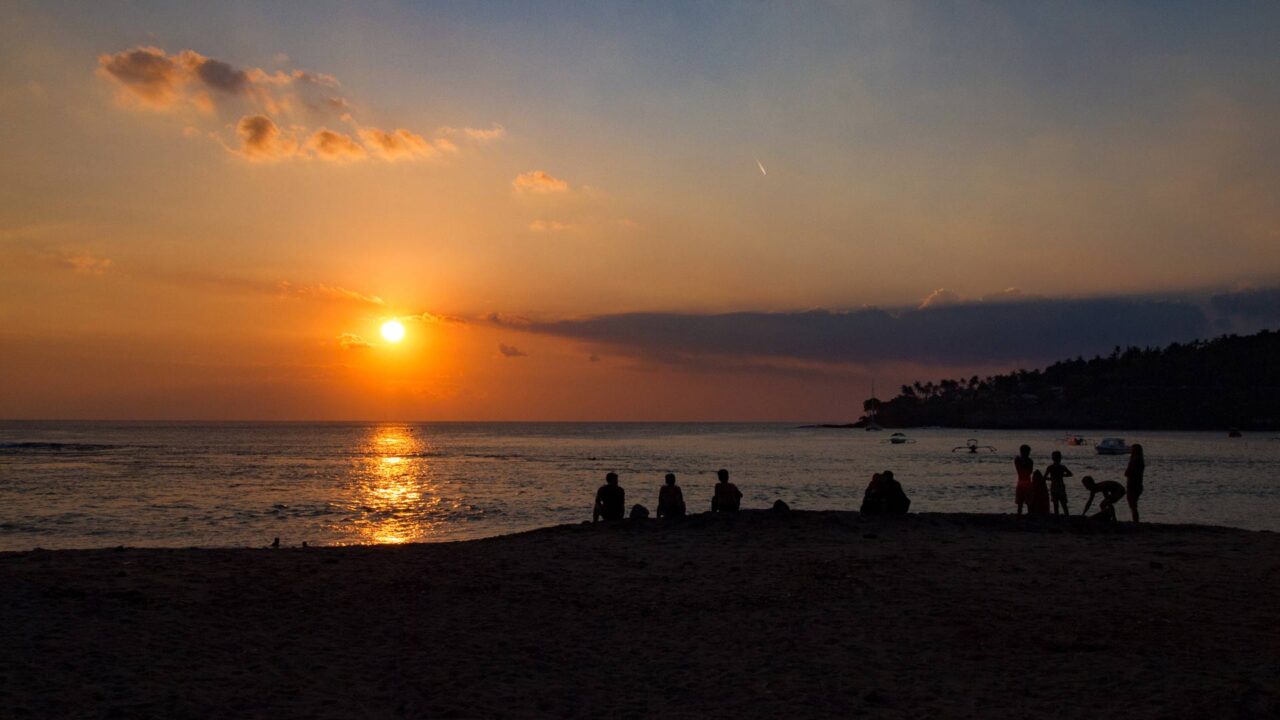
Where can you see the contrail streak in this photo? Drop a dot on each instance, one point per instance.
(761, 165)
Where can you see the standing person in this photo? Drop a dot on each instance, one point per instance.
(727, 495)
(1057, 488)
(1038, 498)
(671, 499)
(611, 500)
(1023, 465)
(1133, 478)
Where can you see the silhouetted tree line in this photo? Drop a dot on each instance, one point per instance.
(1230, 381)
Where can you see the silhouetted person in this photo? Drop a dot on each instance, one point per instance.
(727, 497)
(1023, 464)
(1057, 487)
(1133, 478)
(1038, 498)
(670, 499)
(884, 496)
(611, 500)
(1111, 491)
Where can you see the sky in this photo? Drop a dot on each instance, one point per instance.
(616, 211)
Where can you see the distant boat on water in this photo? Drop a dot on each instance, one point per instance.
(1112, 446)
(1073, 439)
(1234, 432)
(900, 439)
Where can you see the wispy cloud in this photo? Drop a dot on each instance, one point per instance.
(549, 226)
(511, 351)
(326, 292)
(538, 182)
(86, 264)
(335, 146)
(351, 341)
(278, 114)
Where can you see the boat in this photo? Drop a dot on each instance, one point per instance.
(1234, 432)
(1112, 446)
(900, 439)
(972, 447)
(1073, 439)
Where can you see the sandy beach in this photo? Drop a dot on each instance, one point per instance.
(802, 614)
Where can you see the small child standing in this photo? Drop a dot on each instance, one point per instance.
(1057, 488)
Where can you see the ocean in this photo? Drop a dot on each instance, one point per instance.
(105, 484)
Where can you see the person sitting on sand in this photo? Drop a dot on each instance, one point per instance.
(1038, 498)
(727, 496)
(1023, 465)
(1111, 491)
(670, 499)
(611, 500)
(1057, 488)
(884, 496)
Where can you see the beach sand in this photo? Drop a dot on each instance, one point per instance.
(801, 614)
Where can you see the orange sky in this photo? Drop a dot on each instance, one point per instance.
(208, 212)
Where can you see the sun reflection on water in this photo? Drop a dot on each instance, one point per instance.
(391, 494)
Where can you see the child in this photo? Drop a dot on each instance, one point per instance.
(1057, 488)
(1111, 490)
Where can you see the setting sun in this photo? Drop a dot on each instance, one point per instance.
(393, 331)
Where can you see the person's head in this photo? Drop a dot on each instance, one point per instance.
(1088, 482)
(723, 475)
(1057, 456)
(611, 478)
(1135, 451)
(886, 475)
(1025, 451)
(671, 479)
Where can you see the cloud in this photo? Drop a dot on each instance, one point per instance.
(549, 226)
(1249, 303)
(398, 144)
(940, 297)
(262, 139)
(1012, 331)
(511, 351)
(86, 264)
(150, 78)
(497, 132)
(326, 292)
(538, 182)
(335, 146)
(351, 341)
(147, 74)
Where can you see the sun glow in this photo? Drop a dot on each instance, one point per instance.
(393, 331)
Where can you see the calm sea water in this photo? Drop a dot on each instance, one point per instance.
(81, 485)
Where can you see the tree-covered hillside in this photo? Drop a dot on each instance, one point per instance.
(1230, 381)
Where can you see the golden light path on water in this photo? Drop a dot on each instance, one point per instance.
(392, 497)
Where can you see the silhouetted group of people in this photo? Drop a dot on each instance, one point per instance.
(611, 499)
(1036, 490)
(884, 496)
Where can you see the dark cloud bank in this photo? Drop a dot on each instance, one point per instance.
(973, 333)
